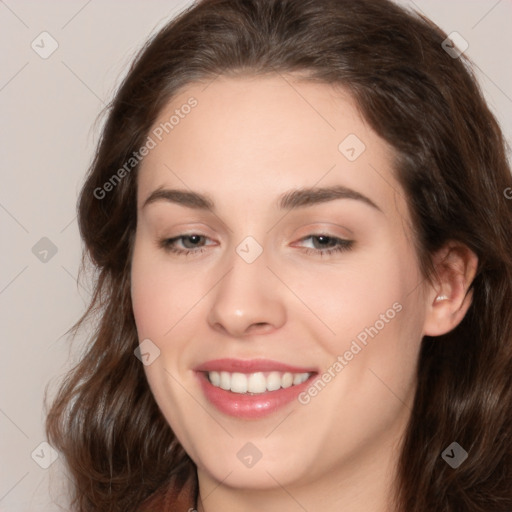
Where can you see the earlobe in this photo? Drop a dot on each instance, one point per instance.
(450, 296)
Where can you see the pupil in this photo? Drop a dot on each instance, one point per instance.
(323, 241)
(192, 239)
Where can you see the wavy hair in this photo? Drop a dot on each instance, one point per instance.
(450, 160)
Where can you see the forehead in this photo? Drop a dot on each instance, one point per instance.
(253, 136)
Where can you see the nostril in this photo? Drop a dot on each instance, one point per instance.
(260, 325)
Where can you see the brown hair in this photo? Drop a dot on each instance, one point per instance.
(451, 163)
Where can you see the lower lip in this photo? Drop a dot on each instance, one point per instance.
(250, 406)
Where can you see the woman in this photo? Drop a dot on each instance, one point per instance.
(299, 216)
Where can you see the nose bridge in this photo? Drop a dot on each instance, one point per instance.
(246, 298)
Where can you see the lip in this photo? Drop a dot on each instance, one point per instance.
(250, 366)
(247, 406)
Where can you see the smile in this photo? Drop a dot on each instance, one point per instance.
(256, 383)
(251, 389)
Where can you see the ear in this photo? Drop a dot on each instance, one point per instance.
(448, 299)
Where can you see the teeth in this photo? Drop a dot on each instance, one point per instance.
(287, 380)
(274, 381)
(214, 378)
(258, 382)
(225, 381)
(297, 379)
(239, 383)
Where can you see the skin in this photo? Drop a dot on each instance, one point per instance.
(248, 141)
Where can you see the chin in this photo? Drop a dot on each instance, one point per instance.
(262, 476)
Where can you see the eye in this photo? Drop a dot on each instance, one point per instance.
(326, 245)
(192, 243)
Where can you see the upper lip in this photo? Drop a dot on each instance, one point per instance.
(249, 366)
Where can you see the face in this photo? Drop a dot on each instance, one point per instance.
(275, 278)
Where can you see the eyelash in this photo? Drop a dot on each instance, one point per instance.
(168, 244)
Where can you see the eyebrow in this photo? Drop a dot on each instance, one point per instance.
(293, 199)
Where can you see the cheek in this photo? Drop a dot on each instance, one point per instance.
(152, 303)
(348, 299)
(372, 317)
(161, 296)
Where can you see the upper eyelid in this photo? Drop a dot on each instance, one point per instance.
(313, 233)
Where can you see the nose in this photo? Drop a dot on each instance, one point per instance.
(247, 300)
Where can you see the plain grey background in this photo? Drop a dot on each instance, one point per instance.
(49, 104)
